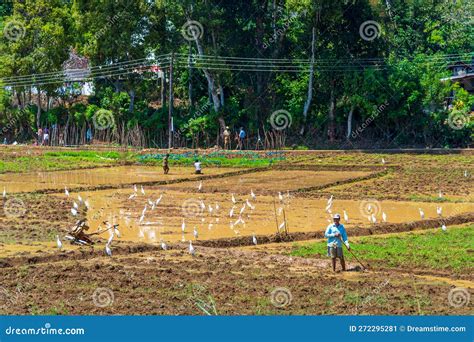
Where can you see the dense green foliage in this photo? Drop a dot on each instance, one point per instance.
(387, 89)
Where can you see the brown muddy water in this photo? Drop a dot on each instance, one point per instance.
(24, 182)
(209, 214)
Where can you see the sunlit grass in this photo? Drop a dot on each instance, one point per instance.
(450, 250)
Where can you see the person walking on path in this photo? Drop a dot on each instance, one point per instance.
(226, 138)
(336, 234)
(242, 136)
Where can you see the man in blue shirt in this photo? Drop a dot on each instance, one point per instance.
(336, 233)
(242, 136)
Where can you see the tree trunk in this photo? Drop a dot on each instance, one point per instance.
(131, 107)
(332, 117)
(349, 122)
(210, 80)
(310, 84)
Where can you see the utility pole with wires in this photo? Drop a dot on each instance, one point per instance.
(170, 105)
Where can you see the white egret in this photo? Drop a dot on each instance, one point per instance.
(192, 251)
(79, 198)
(183, 226)
(217, 206)
(86, 203)
(383, 161)
(422, 213)
(231, 213)
(200, 186)
(280, 211)
(58, 242)
(73, 211)
(439, 211)
(233, 199)
(203, 206)
(254, 239)
(150, 202)
(249, 204)
(346, 217)
(440, 194)
(210, 226)
(195, 233)
(159, 200)
(374, 219)
(108, 251)
(75, 205)
(135, 188)
(163, 246)
(282, 225)
(280, 196)
(66, 191)
(132, 196)
(443, 227)
(252, 194)
(243, 208)
(210, 209)
(142, 190)
(384, 217)
(330, 199)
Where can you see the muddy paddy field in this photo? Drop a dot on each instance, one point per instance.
(256, 222)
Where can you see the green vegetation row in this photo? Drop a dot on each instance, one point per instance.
(446, 250)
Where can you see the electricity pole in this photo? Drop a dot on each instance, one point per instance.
(170, 105)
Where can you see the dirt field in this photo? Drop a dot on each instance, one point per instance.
(229, 274)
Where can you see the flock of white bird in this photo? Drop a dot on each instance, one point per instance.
(236, 215)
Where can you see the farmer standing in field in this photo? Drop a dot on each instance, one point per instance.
(166, 167)
(336, 233)
(226, 138)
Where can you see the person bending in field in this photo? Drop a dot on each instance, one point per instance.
(197, 167)
(336, 234)
(166, 167)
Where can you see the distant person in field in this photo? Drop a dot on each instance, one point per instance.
(336, 234)
(197, 167)
(226, 138)
(39, 141)
(242, 136)
(166, 167)
(89, 136)
(46, 136)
